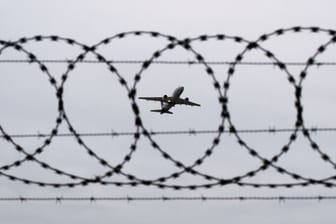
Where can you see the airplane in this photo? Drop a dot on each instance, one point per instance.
(167, 102)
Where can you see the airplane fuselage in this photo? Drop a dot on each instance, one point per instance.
(170, 103)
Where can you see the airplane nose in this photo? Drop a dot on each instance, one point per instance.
(181, 88)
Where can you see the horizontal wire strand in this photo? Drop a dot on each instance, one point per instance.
(167, 62)
(169, 198)
(178, 132)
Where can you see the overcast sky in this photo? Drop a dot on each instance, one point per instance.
(260, 97)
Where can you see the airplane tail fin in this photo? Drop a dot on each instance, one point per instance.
(162, 112)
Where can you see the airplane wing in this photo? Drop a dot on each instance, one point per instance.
(160, 99)
(152, 98)
(186, 102)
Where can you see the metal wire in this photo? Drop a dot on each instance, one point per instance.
(168, 198)
(226, 125)
(167, 62)
(178, 132)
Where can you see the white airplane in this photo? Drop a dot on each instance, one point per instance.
(168, 102)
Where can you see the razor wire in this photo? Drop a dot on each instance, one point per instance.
(226, 124)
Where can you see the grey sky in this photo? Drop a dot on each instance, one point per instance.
(260, 97)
